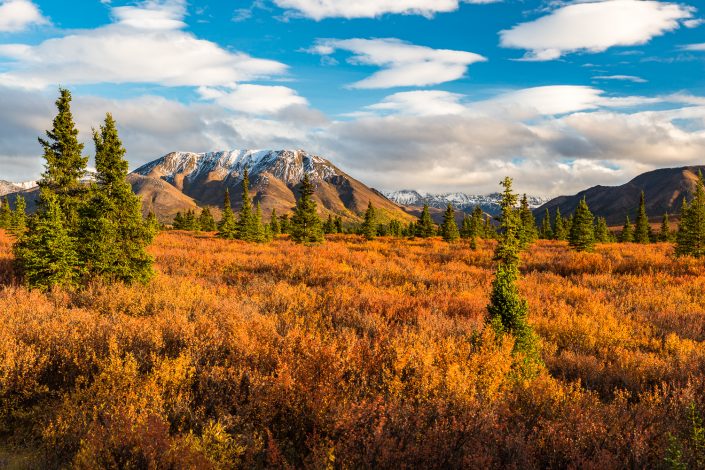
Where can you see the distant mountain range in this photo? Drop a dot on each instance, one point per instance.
(460, 201)
(180, 181)
(664, 190)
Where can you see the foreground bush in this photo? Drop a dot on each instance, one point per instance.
(356, 354)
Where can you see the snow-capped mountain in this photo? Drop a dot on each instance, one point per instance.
(7, 187)
(460, 201)
(274, 177)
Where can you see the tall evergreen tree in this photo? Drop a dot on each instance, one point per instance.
(602, 231)
(261, 232)
(560, 231)
(507, 310)
(306, 226)
(284, 224)
(274, 227)
(642, 229)
(18, 220)
(64, 165)
(395, 228)
(582, 230)
(488, 230)
(369, 225)
(46, 255)
(247, 227)
(206, 221)
(5, 214)
(153, 224)
(691, 231)
(113, 234)
(329, 225)
(449, 229)
(424, 226)
(665, 231)
(227, 228)
(178, 223)
(527, 229)
(466, 227)
(627, 231)
(546, 230)
(338, 224)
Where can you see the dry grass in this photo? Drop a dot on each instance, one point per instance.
(355, 354)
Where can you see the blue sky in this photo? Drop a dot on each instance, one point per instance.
(437, 95)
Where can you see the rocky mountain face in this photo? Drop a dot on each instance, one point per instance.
(180, 181)
(664, 190)
(7, 187)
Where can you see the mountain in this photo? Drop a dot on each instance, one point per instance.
(460, 201)
(664, 190)
(202, 178)
(7, 187)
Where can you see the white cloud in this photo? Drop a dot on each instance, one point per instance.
(595, 27)
(321, 9)
(17, 15)
(626, 78)
(694, 47)
(254, 99)
(422, 103)
(145, 44)
(402, 63)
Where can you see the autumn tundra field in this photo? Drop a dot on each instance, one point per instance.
(356, 354)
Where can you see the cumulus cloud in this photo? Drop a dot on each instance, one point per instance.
(17, 15)
(402, 63)
(595, 27)
(321, 9)
(144, 44)
(254, 99)
(421, 102)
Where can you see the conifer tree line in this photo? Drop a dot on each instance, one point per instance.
(15, 221)
(82, 231)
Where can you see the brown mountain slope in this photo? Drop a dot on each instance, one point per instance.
(664, 190)
(274, 181)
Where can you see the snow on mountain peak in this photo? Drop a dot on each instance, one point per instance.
(287, 165)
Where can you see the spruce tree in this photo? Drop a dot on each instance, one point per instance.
(153, 224)
(178, 223)
(665, 231)
(627, 231)
(206, 222)
(488, 230)
(329, 225)
(466, 227)
(395, 228)
(247, 227)
(477, 219)
(527, 229)
(449, 229)
(18, 220)
(64, 165)
(46, 255)
(559, 228)
(190, 222)
(274, 227)
(112, 232)
(284, 225)
(227, 228)
(642, 230)
(5, 214)
(306, 226)
(369, 225)
(425, 227)
(261, 233)
(582, 230)
(691, 231)
(338, 224)
(507, 310)
(546, 230)
(602, 231)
